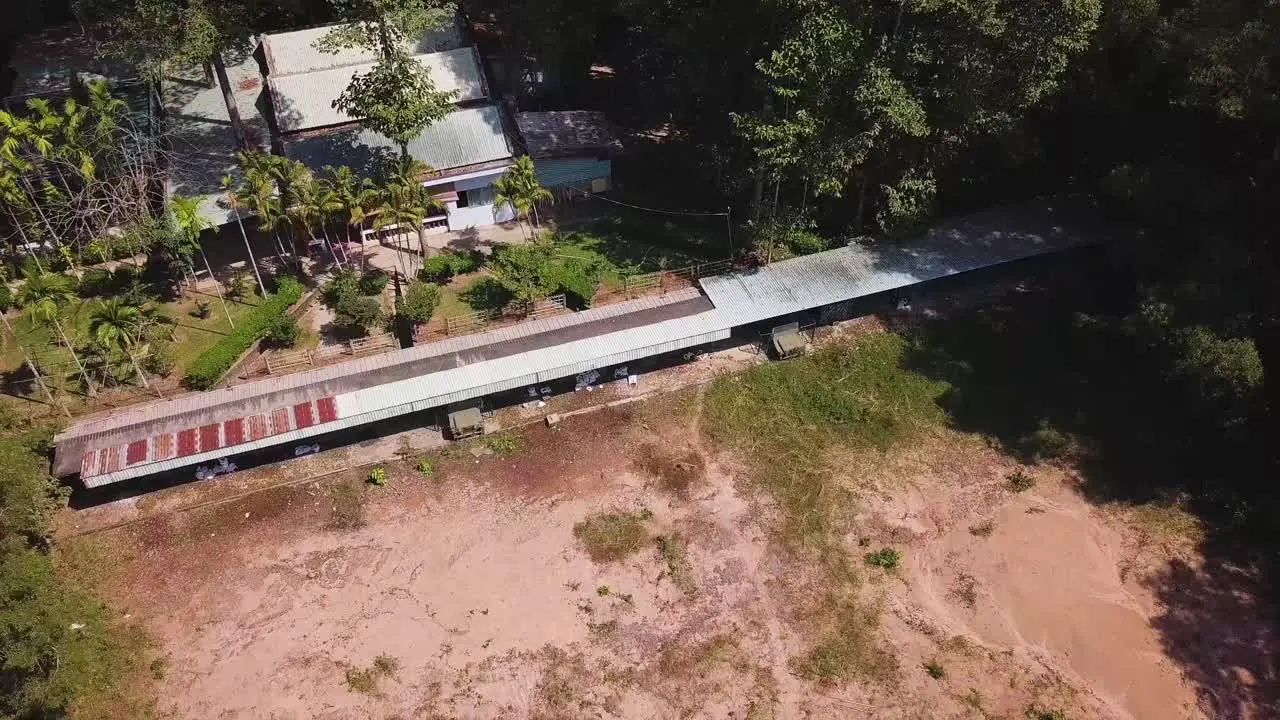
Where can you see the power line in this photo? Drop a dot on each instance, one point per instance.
(652, 210)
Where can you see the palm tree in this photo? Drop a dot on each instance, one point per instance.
(406, 205)
(186, 215)
(42, 298)
(259, 195)
(324, 203)
(518, 188)
(115, 325)
(356, 198)
(233, 201)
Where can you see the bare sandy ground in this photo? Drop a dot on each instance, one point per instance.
(472, 583)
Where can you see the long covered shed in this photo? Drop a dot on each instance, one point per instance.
(202, 427)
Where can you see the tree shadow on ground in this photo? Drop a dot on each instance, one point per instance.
(1047, 371)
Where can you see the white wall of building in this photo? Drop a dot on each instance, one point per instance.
(479, 211)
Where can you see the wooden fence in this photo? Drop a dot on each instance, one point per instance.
(476, 321)
(280, 363)
(664, 281)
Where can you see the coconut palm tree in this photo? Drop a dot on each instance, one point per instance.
(233, 201)
(356, 199)
(42, 298)
(518, 188)
(323, 204)
(115, 325)
(406, 205)
(186, 215)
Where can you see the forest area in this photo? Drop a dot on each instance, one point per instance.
(817, 122)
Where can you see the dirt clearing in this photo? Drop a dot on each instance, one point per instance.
(619, 566)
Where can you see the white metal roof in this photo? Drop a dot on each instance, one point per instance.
(295, 52)
(976, 241)
(305, 100)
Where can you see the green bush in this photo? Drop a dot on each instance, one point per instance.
(283, 331)
(373, 282)
(206, 370)
(440, 268)
(888, 558)
(159, 361)
(357, 314)
(342, 285)
(6, 297)
(420, 301)
(577, 279)
(96, 282)
(486, 293)
(378, 476)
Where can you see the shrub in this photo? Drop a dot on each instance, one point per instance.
(159, 361)
(1046, 443)
(436, 269)
(1019, 481)
(420, 301)
(344, 284)
(202, 310)
(206, 370)
(888, 558)
(356, 314)
(1035, 712)
(96, 282)
(6, 297)
(935, 669)
(238, 287)
(425, 467)
(440, 268)
(486, 293)
(373, 282)
(577, 279)
(282, 332)
(378, 476)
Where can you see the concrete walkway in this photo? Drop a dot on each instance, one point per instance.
(387, 257)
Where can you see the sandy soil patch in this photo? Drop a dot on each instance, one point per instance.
(472, 589)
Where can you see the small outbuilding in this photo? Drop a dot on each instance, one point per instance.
(571, 149)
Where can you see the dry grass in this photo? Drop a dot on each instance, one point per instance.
(674, 474)
(366, 681)
(674, 551)
(347, 500)
(614, 536)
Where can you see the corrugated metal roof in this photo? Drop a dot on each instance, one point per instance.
(977, 241)
(204, 144)
(566, 132)
(461, 138)
(239, 394)
(305, 101)
(295, 52)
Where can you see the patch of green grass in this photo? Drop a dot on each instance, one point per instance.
(378, 476)
(935, 669)
(1036, 712)
(504, 444)
(425, 468)
(675, 555)
(1020, 481)
(788, 420)
(787, 417)
(886, 558)
(610, 537)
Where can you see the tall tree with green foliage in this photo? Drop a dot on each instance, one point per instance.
(397, 97)
(43, 296)
(876, 100)
(518, 189)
